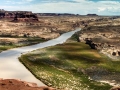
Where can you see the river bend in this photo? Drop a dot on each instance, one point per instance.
(11, 68)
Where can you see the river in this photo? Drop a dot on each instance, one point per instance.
(11, 68)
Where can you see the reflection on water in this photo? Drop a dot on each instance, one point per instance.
(11, 68)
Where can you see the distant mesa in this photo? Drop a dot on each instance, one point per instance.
(92, 15)
(25, 16)
(56, 14)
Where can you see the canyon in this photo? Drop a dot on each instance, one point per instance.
(23, 27)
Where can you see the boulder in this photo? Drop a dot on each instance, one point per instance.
(115, 88)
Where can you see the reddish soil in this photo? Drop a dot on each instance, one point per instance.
(13, 84)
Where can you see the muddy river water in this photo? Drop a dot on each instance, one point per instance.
(11, 68)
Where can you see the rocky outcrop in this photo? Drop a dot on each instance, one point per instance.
(115, 88)
(13, 84)
(103, 38)
(23, 16)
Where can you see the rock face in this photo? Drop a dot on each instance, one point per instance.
(115, 88)
(12, 84)
(24, 16)
(103, 38)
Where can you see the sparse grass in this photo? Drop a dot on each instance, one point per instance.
(57, 66)
(61, 66)
(35, 40)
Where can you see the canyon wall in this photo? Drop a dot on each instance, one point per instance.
(104, 36)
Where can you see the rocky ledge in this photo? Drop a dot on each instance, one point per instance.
(103, 34)
(103, 38)
(14, 84)
(115, 88)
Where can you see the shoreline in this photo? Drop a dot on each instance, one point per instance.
(9, 58)
(107, 82)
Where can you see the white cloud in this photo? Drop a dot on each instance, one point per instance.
(14, 2)
(109, 7)
(100, 9)
(80, 7)
(62, 7)
(27, 0)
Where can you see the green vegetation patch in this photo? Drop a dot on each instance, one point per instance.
(62, 66)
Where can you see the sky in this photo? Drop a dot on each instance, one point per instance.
(82, 7)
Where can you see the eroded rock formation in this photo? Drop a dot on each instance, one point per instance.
(25, 16)
(103, 38)
(115, 88)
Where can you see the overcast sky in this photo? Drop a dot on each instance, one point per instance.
(82, 7)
